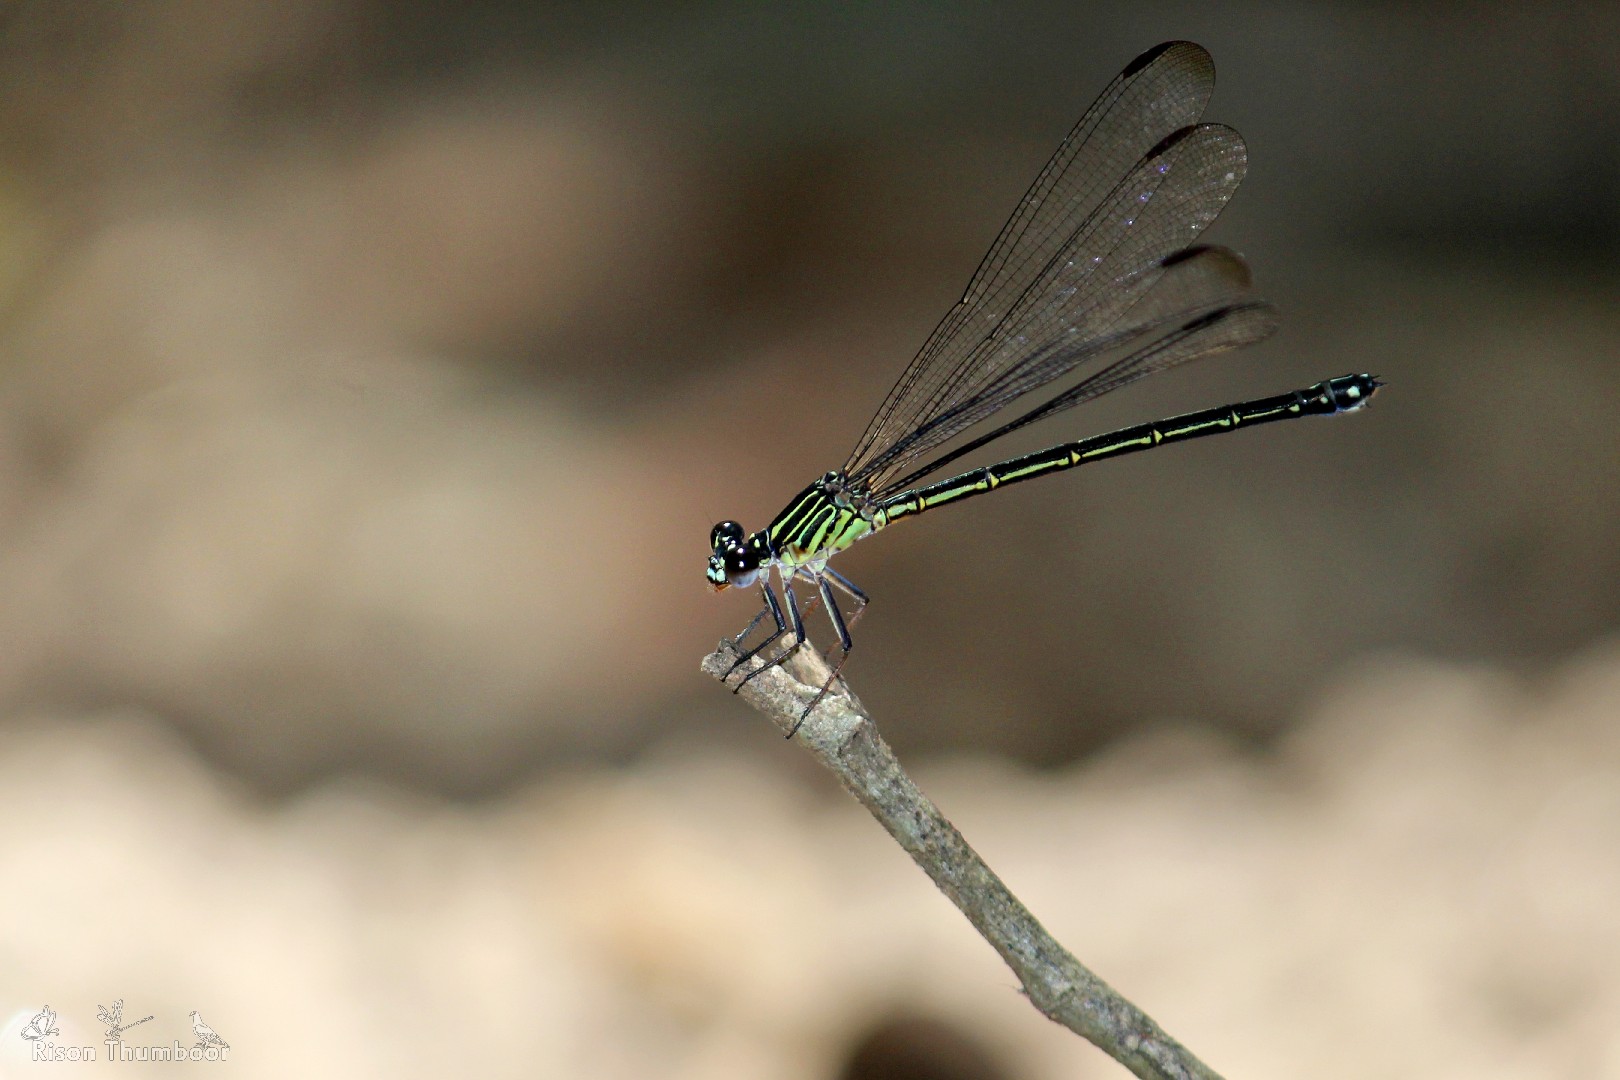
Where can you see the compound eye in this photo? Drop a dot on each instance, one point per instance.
(727, 533)
(739, 560)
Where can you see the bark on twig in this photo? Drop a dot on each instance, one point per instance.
(844, 738)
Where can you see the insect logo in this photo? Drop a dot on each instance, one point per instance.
(113, 1018)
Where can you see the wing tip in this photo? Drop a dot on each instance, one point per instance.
(1191, 49)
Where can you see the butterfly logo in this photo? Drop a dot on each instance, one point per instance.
(43, 1024)
(113, 1018)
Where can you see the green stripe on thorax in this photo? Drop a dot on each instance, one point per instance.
(815, 525)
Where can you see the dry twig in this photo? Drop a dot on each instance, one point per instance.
(844, 738)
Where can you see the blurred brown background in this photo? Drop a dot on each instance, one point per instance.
(370, 377)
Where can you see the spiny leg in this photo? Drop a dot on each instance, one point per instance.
(774, 610)
(856, 593)
(765, 609)
(836, 614)
(824, 582)
(797, 621)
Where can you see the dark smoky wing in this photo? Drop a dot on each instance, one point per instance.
(1161, 91)
(1106, 275)
(1202, 304)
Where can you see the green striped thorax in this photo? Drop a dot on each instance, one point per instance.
(823, 519)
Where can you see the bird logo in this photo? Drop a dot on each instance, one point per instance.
(113, 1018)
(206, 1036)
(43, 1024)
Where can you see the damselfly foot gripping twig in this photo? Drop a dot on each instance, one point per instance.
(825, 580)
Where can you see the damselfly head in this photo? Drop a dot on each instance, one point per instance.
(734, 561)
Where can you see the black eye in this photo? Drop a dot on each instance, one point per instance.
(727, 533)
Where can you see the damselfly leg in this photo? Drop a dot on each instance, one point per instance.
(825, 581)
(774, 610)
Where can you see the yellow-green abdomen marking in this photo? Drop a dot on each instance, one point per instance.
(1343, 394)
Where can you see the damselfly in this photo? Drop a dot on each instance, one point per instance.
(1097, 266)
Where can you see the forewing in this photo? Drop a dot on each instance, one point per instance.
(1160, 92)
(1105, 276)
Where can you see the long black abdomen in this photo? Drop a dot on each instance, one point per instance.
(1343, 394)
